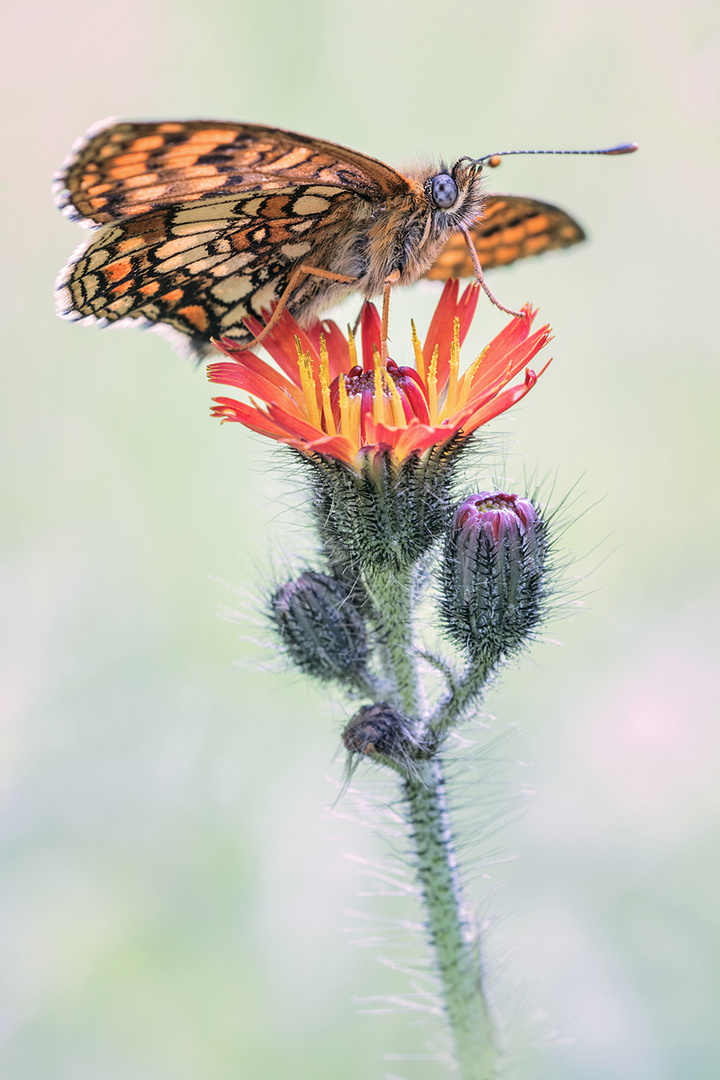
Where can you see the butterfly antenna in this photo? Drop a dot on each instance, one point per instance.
(493, 160)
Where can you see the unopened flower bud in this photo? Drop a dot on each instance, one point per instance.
(320, 627)
(380, 731)
(493, 573)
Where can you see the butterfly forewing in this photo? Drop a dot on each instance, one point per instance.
(511, 227)
(126, 169)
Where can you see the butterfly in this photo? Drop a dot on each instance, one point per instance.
(202, 223)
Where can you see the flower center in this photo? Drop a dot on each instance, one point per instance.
(402, 390)
(496, 510)
(498, 501)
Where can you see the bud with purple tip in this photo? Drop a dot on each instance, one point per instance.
(493, 574)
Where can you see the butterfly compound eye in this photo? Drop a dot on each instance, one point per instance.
(444, 191)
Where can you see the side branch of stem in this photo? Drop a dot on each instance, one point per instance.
(462, 694)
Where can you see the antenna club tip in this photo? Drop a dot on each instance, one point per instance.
(624, 148)
(494, 161)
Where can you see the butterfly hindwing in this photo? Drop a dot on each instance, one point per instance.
(201, 267)
(511, 227)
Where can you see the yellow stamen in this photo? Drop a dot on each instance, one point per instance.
(379, 395)
(432, 388)
(355, 419)
(452, 390)
(307, 381)
(351, 347)
(325, 388)
(419, 358)
(396, 405)
(344, 406)
(466, 380)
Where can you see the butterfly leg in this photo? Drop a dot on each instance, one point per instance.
(298, 275)
(390, 280)
(480, 277)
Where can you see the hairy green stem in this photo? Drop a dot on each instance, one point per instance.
(451, 934)
(391, 593)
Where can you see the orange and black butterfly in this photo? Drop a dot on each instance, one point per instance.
(203, 223)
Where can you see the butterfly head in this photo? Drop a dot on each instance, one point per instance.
(453, 194)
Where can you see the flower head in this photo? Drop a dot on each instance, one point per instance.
(322, 398)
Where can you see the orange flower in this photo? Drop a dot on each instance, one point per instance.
(322, 401)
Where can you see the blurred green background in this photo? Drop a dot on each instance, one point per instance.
(173, 888)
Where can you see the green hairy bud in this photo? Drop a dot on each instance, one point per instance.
(321, 629)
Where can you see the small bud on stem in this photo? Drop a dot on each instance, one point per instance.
(321, 629)
(381, 733)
